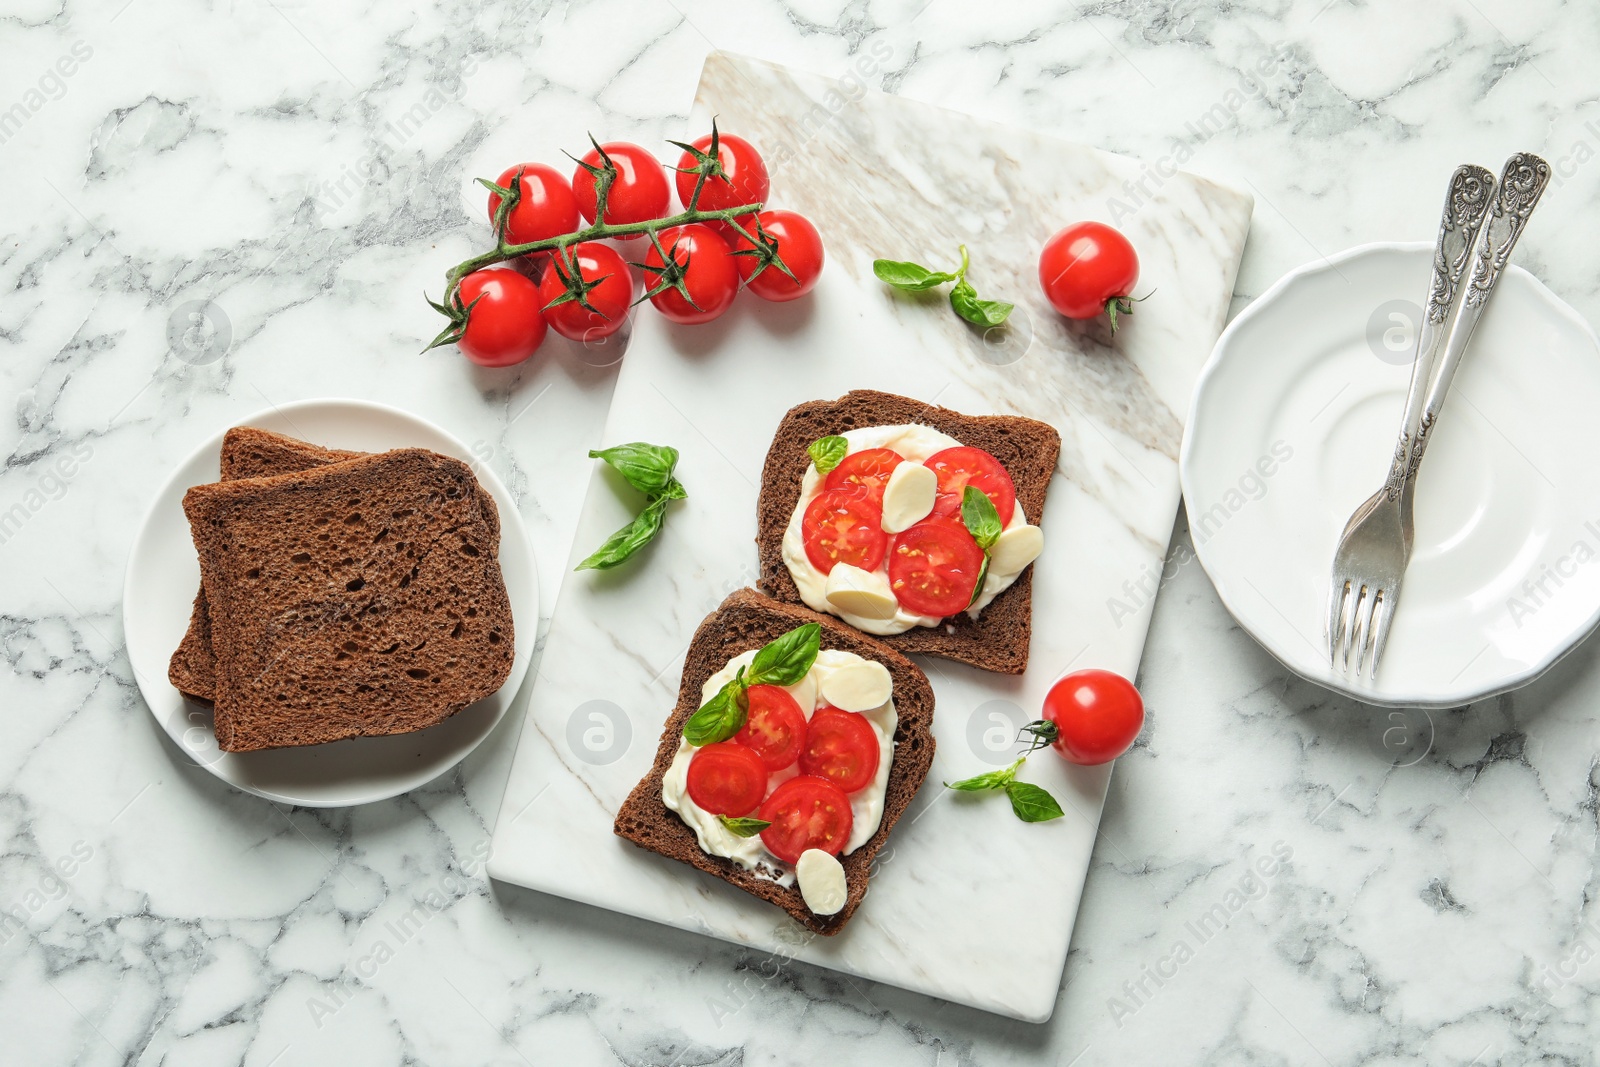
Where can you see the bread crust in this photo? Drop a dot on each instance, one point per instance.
(747, 620)
(998, 640)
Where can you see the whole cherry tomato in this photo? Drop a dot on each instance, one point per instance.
(1088, 269)
(504, 324)
(639, 193)
(800, 247)
(709, 274)
(546, 207)
(743, 179)
(609, 291)
(1098, 714)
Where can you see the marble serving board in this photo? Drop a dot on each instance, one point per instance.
(966, 903)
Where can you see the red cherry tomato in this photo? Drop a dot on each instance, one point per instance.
(505, 326)
(743, 179)
(775, 729)
(806, 813)
(1098, 714)
(545, 209)
(1088, 269)
(611, 298)
(933, 567)
(960, 467)
(727, 779)
(842, 747)
(800, 247)
(844, 526)
(639, 193)
(870, 469)
(709, 274)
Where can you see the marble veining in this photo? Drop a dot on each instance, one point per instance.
(1438, 904)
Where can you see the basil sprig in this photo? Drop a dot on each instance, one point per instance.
(964, 299)
(828, 452)
(1030, 802)
(783, 661)
(982, 521)
(745, 827)
(648, 468)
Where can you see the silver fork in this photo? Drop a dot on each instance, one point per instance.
(1376, 543)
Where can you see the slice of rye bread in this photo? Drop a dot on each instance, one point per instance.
(246, 453)
(998, 639)
(748, 620)
(360, 598)
(251, 453)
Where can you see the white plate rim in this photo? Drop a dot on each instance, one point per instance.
(1229, 593)
(509, 516)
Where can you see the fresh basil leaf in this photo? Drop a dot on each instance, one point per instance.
(743, 827)
(910, 277)
(1031, 803)
(964, 299)
(646, 467)
(1000, 779)
(674, 490)
(720, 717)
(628, 540)
(828, 452)
(978, 514)
(786, 660)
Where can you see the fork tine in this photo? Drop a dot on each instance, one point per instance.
(1356, 633)
(1382, 616)
(1337, 591)
(1369, 601)
(1347, 628)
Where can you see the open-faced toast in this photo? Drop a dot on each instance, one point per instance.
(747, 620)
(999, 638)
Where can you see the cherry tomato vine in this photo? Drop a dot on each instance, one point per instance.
(668, 269)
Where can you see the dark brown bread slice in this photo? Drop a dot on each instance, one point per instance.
(246, 453)
(357, 599)
(749, 620)
(251, 453)
(999, 639)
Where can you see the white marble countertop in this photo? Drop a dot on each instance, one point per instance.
(1272, 884)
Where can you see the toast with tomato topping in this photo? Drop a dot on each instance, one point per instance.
(747, 620)
(998, 639)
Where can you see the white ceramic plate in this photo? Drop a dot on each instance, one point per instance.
(163, 574)
(1293, 423)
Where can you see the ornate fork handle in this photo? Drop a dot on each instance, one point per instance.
(1522, 182)
(1465, 207)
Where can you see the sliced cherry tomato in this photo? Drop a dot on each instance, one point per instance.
(709, 274)
(806, 813)
(844, 526)
(545, 209)
(934, 566)
(1088, 269)
(1098, 713)
(727, 779)
(960, 467)
(743, 179)
(639, 193)
(505, 326)
(870, 468)
(842, 747)
(799, 246)
(775, 729)
(610, 299)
